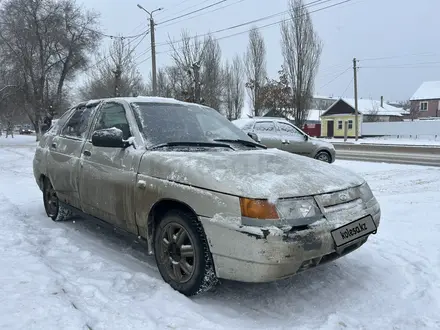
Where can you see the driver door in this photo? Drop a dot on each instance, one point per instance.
(293, 140)
(108, 175)
(267, 133)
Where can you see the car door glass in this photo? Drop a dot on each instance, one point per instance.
(288, 130)
(265, 127)
(77, 125)
(113, 115)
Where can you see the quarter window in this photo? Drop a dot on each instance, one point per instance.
(265, 126)
(77, 125)
(113, 115)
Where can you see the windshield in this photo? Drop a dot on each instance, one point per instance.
(172, 122)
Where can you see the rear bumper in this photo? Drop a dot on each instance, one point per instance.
(250, 254)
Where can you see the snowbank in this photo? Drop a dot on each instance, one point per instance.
(80, 275)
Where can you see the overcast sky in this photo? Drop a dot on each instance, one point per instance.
(404, 32)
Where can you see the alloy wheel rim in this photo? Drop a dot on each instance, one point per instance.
(323, 157)
(177, 252)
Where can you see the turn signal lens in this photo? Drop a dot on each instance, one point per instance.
(258, 209)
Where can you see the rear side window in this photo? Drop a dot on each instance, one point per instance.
(265, 126)
(77, 125)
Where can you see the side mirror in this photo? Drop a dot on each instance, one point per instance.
(109, 138)
(306, 138)
(254, 137)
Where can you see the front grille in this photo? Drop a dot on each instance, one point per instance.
(340, 197)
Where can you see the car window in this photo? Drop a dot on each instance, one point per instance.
(113, 115)
(265, 126)
(288, 129)
(174, 122)
(77, 125)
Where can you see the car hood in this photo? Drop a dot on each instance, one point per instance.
(269, 173)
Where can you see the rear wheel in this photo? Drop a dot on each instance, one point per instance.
(54, 210)
(182, 253)
(323, 156)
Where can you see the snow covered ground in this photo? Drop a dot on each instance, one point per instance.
(420, 141)
(78, 275)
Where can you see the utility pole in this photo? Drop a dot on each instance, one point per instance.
(118, 74)
(356, 116)
(153, 56)
(153, 47)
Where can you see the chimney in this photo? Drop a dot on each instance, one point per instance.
(381, 101)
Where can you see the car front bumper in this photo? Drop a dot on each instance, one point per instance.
(252, 254)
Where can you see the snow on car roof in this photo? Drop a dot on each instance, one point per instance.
(151, 99)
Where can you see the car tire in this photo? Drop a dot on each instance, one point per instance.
(52, 206)
(324, 156)
(189, 272)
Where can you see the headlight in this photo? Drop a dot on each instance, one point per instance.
(299, 212)
(294, 212)
(366, 193)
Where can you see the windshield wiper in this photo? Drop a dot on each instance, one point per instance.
(190, 144)
(244, 142)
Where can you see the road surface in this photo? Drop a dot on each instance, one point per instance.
(400, 154)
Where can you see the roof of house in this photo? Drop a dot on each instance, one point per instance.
(427, 91)
(371, 107)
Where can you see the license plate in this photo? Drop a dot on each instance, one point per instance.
(354, 230)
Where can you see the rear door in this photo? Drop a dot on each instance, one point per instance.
(64, 155)
(108, 175)
(267, 133)
(293, 140)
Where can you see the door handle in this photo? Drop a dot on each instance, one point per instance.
(285, 142)
(87, 153)
(54, 145)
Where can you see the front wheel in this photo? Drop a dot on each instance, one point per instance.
(324, 156)
(182, 254)
(54, 210)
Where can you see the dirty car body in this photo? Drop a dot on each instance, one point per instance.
(210, 202)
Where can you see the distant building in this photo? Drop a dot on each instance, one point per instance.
(343, 110)
(426, 100)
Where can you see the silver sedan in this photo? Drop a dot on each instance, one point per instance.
(210, 202)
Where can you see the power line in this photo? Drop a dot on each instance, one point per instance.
(313, 3)
(403, 65)
(107, 57)
(195, 11)
(333, 79)
(346, 88)
(185, 9)
(116, 37)
(208, 12)
(397, 56)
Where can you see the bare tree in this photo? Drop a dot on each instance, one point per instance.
(414, 111)
(373, 115)
(187, 56)
(255, 64)
(116, 74)
(237, 86)
(228, 90)
(46, 43)
(198, 77)
(211, 74)
(301, 49)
